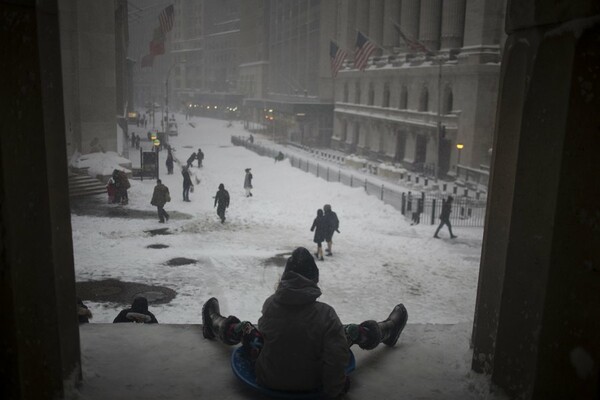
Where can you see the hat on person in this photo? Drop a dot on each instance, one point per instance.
(247, 169)
(221, 186)
(303, 263)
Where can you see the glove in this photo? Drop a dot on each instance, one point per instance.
(337, 230)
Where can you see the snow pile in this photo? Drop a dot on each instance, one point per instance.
(100, 164)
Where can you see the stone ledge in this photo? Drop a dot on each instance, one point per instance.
(131, 361)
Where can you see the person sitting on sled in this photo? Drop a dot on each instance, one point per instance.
(300, 344)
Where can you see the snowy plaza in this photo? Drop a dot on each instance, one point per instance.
(378, 260)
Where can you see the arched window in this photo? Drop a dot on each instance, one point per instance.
(371, 94)
(403, 103)
(345, 99)
(448, 101)
(357, 93)
(424, 99)
(386, 95)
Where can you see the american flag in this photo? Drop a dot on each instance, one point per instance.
(364, 49)
(165, 19)
(337, 57)
(412, 44)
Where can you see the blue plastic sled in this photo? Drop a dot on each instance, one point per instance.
(243, 368)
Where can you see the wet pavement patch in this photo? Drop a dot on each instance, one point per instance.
(175, 262)
(278, 260)
(159, 231)
(97, 206)
(157, 246)
(115, 291)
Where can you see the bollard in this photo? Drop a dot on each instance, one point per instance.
(433, 212)
(403, 206)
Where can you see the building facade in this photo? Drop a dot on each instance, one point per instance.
(414, 108)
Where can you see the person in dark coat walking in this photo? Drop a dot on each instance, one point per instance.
(137, 141)
(138, 312)
(160, 197)
(169, 162)
(445, 217)
(200, 157)
(332, 225)
(187, 183)
(222, 202)
(191, 159)
(132, 139)
(319, 226)
(300, 343)
(248, 183)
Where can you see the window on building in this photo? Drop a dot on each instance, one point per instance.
(403, 104)
(386, 95)
(424, 99)
(448, 101)
(357, 93)
(345, 93)
(371, 100)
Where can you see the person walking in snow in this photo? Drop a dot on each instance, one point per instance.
(300, 343)
(191, 159)
(332, 225)
(319, 226)
(138, 312)
(222, 202)
(187, 183)
(248, 183)
(200, 157)
(445, 217)
(160, 197)
(169, 162)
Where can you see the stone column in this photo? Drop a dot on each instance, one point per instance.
(453, 24)
(536, 320)
(362, 16)
(376, 21)
(391, 12)
(430, 23)
(39, 344)
(409, 20)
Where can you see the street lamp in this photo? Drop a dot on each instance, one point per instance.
(459, 147)
(156, 144)
(167, 91)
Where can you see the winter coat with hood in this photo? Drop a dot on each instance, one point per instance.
(160, 196)
(137, 313)
(305, 347)
(320, 227)
(248, 180)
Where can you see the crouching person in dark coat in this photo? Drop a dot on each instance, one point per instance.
(137, 313)
(159, 198)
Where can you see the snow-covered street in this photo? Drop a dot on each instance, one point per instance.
(379, 258)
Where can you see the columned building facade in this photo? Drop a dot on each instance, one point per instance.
(413, 108)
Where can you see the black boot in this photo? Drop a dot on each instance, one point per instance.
(392, 327)
(214, 324)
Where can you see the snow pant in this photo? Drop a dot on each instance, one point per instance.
(221, 212)
(367, 335)
(186, 193)
(442, 223)
(162, 214)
